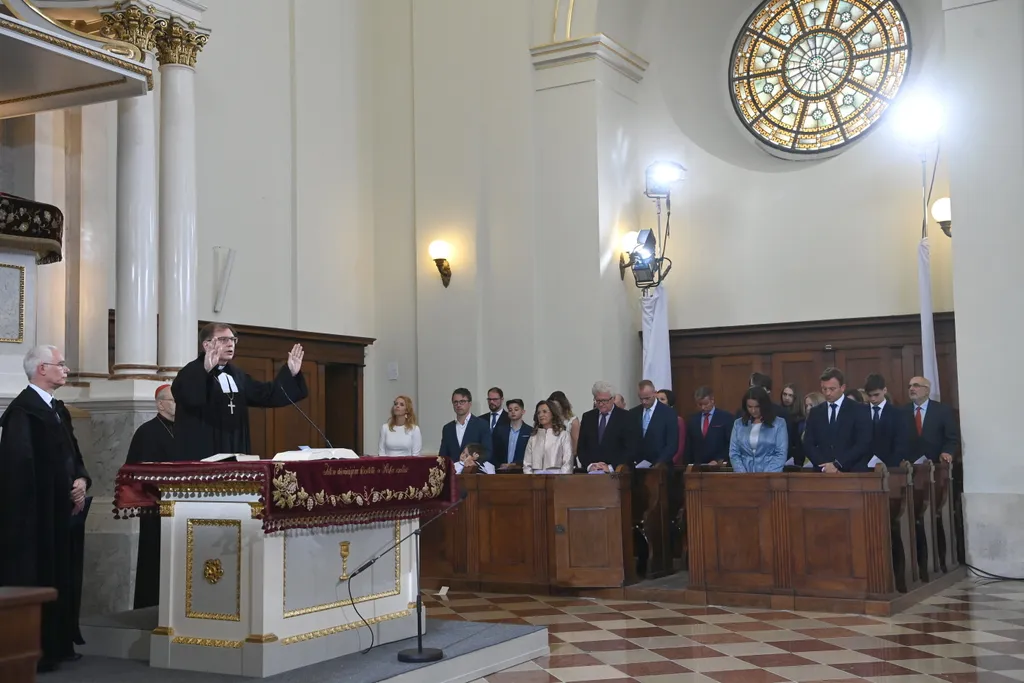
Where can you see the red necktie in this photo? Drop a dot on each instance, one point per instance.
(704, 427)
(917, 420)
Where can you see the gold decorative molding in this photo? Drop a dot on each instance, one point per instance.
(236, 524)
(262, 639)
(167, 508)
(213, 571)
(180, 43)
(256, 510)
(163, 631)
(133, 24)
(291, 640)
(115, 47)
(208, 642)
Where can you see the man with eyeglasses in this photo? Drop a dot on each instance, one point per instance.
(464, 429)
(42, 489)
(606, 435)
(213, 397)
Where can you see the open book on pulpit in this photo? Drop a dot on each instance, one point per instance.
(317, 454)
(231, 457)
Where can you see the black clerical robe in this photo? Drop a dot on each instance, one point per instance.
(152, 442)
(209, 420)
(40, 461)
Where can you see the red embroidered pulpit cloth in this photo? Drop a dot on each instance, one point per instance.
(297, 494)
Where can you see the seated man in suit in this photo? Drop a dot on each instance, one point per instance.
(838, 435)
(654, 427)
(708, 432)
(510, 439)
(464, 429)
(606, 438)
(931, 425)
(888, 442)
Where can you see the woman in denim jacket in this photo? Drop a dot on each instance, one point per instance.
(760, 439)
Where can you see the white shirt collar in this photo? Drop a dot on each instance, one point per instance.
(880, 406)
(924, 406)
(839, 403)
(43, 394)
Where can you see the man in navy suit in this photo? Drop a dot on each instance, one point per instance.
(464, 429)
(654, 426)
(838, 435)
(708, 432)
(510, 438)
(496, 415)
(931, 425)
(889, 435)
(606, 436)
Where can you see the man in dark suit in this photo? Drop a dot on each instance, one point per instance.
(464, 429)
(888, 442)
(708, 432)
(932, 427)
(606, 438)
(510, 439)
(654, 427)
(838, 435)
(496, 415)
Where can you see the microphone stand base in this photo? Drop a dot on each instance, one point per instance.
(420, 656)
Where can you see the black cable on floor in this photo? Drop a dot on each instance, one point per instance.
(989, 575)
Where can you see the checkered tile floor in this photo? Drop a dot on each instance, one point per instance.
(971, 633)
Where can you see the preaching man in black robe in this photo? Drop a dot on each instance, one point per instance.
(213, 397)
(153, 441)
(43, 485)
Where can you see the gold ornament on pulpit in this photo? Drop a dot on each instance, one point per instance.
(343, 547)
(212, 571)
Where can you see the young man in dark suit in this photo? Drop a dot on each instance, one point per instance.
(838, 435)
(708, 432)
(606, 438)
(510, 439)
(889, 435)
(654, 426)
(464, 429)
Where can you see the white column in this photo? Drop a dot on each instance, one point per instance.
(50, 189)
(177, 49)
(135, 322)
(986, 173)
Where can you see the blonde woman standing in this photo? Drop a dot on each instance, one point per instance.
(400, 435)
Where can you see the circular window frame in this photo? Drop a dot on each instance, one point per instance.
(891, 52)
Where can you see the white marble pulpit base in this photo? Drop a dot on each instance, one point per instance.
(242, 602)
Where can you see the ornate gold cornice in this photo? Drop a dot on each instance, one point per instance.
(180, 43)
(133, 24)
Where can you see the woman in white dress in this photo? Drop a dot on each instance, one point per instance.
(571, 422)
(400, 435)
(549, 447)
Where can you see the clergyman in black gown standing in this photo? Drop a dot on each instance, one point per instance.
(213, 397)
(153, 442)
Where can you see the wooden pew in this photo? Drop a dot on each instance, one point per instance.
(945, 523)
(20, 618)
(901, 519)
(534, 534)
(650, 489)
(790, 541)
(925, 553)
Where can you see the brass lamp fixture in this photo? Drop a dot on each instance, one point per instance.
(943, 215)
(440, 251)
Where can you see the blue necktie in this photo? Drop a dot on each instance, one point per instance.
(877, 414)
(494, 420)
(832, 417)
(601, 424)
(647, 418)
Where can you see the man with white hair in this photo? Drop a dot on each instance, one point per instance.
(43, 486)
(606, 437)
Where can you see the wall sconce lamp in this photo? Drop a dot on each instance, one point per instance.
(440, 251)
(943, 215)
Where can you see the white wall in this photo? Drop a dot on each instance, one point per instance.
(756, 238)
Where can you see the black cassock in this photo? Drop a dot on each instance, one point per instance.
(209, 420)
(152, 442)
(39, 462)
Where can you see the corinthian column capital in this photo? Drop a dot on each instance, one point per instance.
(133, 23)
(180, 42)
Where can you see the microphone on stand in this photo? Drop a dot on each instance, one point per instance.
(418, 654)
(296, 406)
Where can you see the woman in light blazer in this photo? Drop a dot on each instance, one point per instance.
(760, 440)
(549, 447)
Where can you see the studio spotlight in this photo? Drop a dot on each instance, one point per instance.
(661, 175)
(645, 265)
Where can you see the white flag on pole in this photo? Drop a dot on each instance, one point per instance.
(929, 362)
(657, 358)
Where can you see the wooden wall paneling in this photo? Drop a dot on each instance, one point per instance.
(261, 423)
(688, 375)
(737, 529)
(593, 539)
(857, 364)
(802, 368)
(342, 398)
(732, 377)
(505, 539)
(291, 429)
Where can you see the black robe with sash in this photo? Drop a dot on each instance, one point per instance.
(152, 442)
(39, 462)
(209, 421)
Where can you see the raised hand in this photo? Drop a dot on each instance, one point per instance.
(212, 359)
(295, 359)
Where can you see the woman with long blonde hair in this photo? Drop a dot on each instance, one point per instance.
(400, 435)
